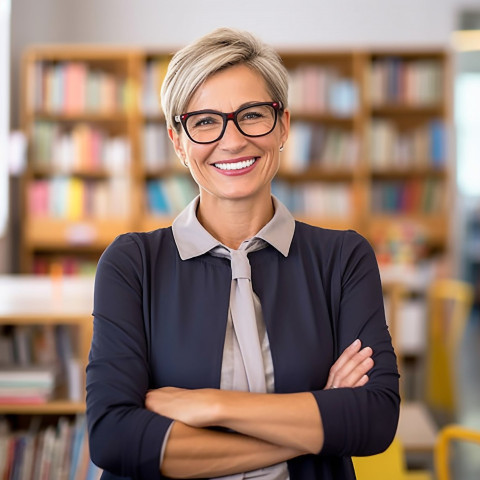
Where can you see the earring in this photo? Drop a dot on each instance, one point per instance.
(185, 163)
(281, 148)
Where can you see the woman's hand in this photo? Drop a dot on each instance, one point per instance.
(196, 408)
(350, 369)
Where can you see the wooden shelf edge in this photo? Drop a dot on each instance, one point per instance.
(55, 407)
(50, 233)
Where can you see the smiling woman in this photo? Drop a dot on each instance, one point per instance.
(237, 342)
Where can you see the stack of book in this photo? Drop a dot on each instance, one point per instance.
(38, 361)
(23, 385)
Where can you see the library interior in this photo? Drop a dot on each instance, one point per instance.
(384, 101)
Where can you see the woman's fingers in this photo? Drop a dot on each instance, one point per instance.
(351, 367)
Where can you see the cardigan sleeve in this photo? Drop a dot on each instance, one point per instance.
(363, 420)
(125, 438)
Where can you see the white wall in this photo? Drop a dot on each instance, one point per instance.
(281, 22)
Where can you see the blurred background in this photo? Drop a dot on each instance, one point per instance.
(385, 101)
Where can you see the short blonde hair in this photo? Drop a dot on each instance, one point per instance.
(218, 50)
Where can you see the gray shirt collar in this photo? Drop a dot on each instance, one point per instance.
(193, 240)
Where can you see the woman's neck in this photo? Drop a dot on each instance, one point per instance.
(233, 221)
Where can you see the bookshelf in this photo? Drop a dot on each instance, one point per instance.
(36, 306)
(368, 149)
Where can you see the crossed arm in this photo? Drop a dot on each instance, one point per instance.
(265, 429)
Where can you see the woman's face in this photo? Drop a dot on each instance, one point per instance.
(258, 158)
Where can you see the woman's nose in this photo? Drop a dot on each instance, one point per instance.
(232, 135)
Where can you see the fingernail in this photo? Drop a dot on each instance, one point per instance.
(356, 342)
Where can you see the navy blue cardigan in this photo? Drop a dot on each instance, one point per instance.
(161, 321)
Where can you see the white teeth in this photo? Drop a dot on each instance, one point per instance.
(235, 166)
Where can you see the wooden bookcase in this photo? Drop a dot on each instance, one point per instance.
(368, 149)
(37, 301)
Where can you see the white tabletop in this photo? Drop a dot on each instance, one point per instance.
(28, 295)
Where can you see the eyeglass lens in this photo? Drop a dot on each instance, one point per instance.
(254, 120)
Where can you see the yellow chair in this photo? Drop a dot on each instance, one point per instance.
(446, 436)
(388, 465)
(449, 306)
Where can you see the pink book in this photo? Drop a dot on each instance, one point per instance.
(75, 87)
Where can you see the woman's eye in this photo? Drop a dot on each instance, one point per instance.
(205, 121)
(251, 115)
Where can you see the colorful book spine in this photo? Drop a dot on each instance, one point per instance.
(75, 87)
(83, 148)
(322, 90)
(419, 147)
(397, 81)
(169, 196)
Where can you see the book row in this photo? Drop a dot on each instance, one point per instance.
(79, 148)
(85, 148)
(73, 198)
(57, 452)
(73, 87)
(38, 362)
(322, 90)
(410, 83)
(312, 145)
(411, 196)
(169, 196)
(393, 147)
(315, 199)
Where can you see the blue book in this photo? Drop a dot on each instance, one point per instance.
(437, 143)
(157, 200)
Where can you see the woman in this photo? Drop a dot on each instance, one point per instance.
(216, 347)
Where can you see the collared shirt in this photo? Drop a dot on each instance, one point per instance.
(152, 329)
(193, 240)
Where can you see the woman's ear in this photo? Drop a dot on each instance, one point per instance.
(284, 126)
(177, 145)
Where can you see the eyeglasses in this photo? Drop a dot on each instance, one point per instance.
(208, 126)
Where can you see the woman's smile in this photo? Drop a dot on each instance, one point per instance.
(237, 166)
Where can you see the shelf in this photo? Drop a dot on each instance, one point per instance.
(317, 174)
(97, 174)
(48, 233)
(433, 227)
(55, 407)
(90, 117)
(323, 117)
(413, 109)
(408, 172)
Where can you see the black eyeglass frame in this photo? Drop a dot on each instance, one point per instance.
(182, 119)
